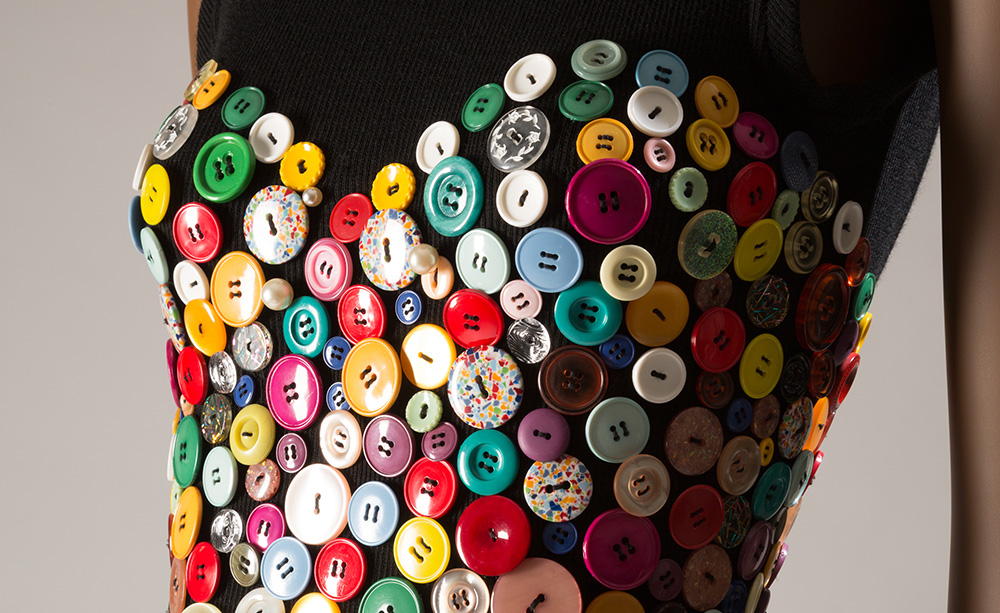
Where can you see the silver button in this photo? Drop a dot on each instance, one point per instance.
(174, 132)
(216, 418)
(528, 340)
(222, 372)
(227, 530)
(252, 347)
(244, 564)
(518, 139)
(460, 591)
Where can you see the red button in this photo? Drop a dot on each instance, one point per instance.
(430, 488)
(197, 232)
(349, 216)
(857, 262)
(848, 371)
(822, 372)
(752, 194)
(202, 572)
(696, 517)
(492, 535)
(192, 375)
(472, 318)
(822, 307)
(718, 339)
(360, 313)
(572, 380)
(715, 389)
(340, 569)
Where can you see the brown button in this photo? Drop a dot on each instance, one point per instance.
(538, 585)
(572, 380)
(822, 307)
(178, 587)
(707, 575)
(658, 317)
(857, 262)
(739, 464)
(822, 373)
(642, 485)
(714, 292)
(693, 441)
(737, 516)
(766, 413)
(262, 480)
(715, 389)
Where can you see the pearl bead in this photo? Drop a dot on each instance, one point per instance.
(422, 258)
(312, 196)
(277, 294)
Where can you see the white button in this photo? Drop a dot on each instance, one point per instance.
(847, 227)
(205, 607)
(271, 136)
(628, 272)
(316, 504)
(659, 375)
(460, 591)
(153, 252)
(439, 141)
(190, 281)
(340, 439)
(522, 198)
(655, 111)
(260, 601)
(145, 161)
(529, 77)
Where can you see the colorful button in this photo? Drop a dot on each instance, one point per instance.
(270, 136)
(294, 392)
(862, 297)
(316, 504)
(393, 187)
(693, 441)
(662, 69)
(383, 246)
(659, 316)
(276, 224)
(642, 485)
(291, 453)
(716, 100)
(202, 575)
(755, 549)
(487, 462)
(820, 199)
(328, 269)
(361, 314)
(492, 535)
(218, 476)
(252, 434)
(518, 139)
(655, 111)
(430, 488)
(857, 262)
(483, 261)
(558, 490)
(766, 415)
(717, 340)
(621, 550)
(262, 480)
(461, 591)
(751, 194)
(585, 100)
(586, 314)
(237, 288)
(427, 354)
(373, 513)
(755, 136)
(485, 387)
(696, 517)
(223, 167)
(794, 427)
(399, 594)
(265, 525)
(598, 60)
(520, 300)
(822, 308)
(604, 138)
(617, 429)
(707, 244)
(529, 77)
(172, 318)
(543, 435)
(174, 132)
(533, 582)
(216, 418)
(572, 380)
(408, 307)
(252, 347)
(340, 570)
(372, 376)
(424, 411)
(205, 327)
(799, 161)
(483, 107)
(617, 352)
(284, 569)
(767, 301)
(736, 520)
(437, 283)
(473, 318)
(608, 201)
(388, 445)
(659, 155)
(302, 166)
(186, 523)
(708, 144)
(659, 375)
(155, 195)
(760, 366)
(439, 443)
(340, 439)
(153, 252)
(438, 141)
(422, 550)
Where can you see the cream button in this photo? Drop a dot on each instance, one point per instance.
(655, 111)
(847, 227)
(145, 161)
(316, 504)
(522, 198)
(628, 272)
(190, 281)
(529, 77)
(659, 375)
(642, 485)
(340, 439)
(439, 141)
(260, 601)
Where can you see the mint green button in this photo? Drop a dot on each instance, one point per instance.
(771, 489)
(586, 314)
(224, 167)
(617, 429)
(585, 100)
(785, 208)
(598, 60)
(453, 196)
(391, 594)
(187, 451)
(688, 189)
(483, 107)
(243, 107)
(487, 462)
(306, 326)
(482, 260)
(218, 476)
(863, 296)
(423, 411)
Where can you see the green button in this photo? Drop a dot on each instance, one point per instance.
(218, 476)
(585, 100)
(423, 411)
(587, 315)
(617, 429)
(771, 489)
(187, 451)
(224, 167)
(598, 60)
(863, 296)
(453, 196)
(306, 326)
(243, 107)
(707, 244)
(391, 594)
(487, 462)
(785, 208)
(688, 189)
(483, 107)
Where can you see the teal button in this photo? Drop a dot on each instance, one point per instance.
(218, 476)
(585, 100)
(306, 326)
(391, 594)
(863, 294)
(487, 462)
(243, 107)
(598, 60)
(424, 410)
(785, 208)
(617, 429)
(587, 315)
(187, 451)
(482, 260)
(771, 490)
(152, 250)
(453, 196)
(224, 167)
(483, 107)
(688, 189)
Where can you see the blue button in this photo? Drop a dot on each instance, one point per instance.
(409, 307)
(335, 351)
(373, 513)
(664, 69)
(286, 568)
(587, 315)
(336, 400)
(549, 260)
(799, 161)
(617, 352)
(736, 598)
(135, 221)
(244, 390)
(453, 196)
(740, 415)
(487, 462)
(306, 326)
(559, 537)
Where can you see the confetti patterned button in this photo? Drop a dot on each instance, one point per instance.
(387, 239)
(794, 427)
(558, 490)
(485, 387)
(172, 318)
(276, 224)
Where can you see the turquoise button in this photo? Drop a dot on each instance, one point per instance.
(587, 315)
(243, 107)
(663, 69)
(487, 462)
(617, 429)
(863, 296)
(306, 326)
(218, 476)
(598, 60)
(585, 100)
(153, 252)
(391, 594)
(549, 260)
(187, 451)
(482, 260)
(453, 196)
(771, 490)
(785, 208)
(483, 107)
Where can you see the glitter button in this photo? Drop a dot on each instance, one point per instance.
(558, 490)
(492, 535)
(617, 429)
(276, 224)
(693, 441)
(707, 574)
(621, 550)
(383, 248)
(485, 387)
(262, 480)
(707, 244)
(216, 418)
(608, 201)
(252, 347)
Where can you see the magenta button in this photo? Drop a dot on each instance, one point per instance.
(293, 392)
(265, 525)
(440, 443)
(175, 388)
(388, 445)
(621, 550)
(608, 201)
(755, 136)
(328, 269)
(291, 453)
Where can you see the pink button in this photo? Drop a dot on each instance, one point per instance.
(608, 201)
(519, 300)
(752, 193)
(328, 269)
(659, 155)
(197, 232)
(294, 392)
(265, 525)
(755, 136)
(621, 550)
(360, 313)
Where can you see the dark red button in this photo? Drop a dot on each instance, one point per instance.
(848, 371)
(349, 216)
(822, 307)
(857, 261)
(718, 339)
(492, 535)
(472, 318)
(621, 550)
(360, 313)
(430, 488)
(202, 572)
(340, 569)
(822, 371)
(715, 389)
(766, 413)
(192, 375)
(197, 232)
(696, 517)
(752, 193)
(572, 380)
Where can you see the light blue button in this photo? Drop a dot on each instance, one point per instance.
(336, 400)
(586, 314)
(482, 260)
(617, 429)
(617, 352)
(559, 538)
(218, 476)
(244, 390)
(663, 69)
(739, 415)
(306, 326)
(408, 307)
(286, 568)
(153, 252)
(487, 462)
(373, 513)
(135, 222)
(335, 351)
(549, 260)
(453, 196)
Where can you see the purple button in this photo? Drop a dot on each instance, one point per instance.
(388, 445)
(754, 550)
(621, 550)
(439, 443)
(293, 392)
(608, 201)
(755, 136)
(666, 582)
(846, 342)
(265, 525)
(172, 367)
(543, 435)
(291, 453)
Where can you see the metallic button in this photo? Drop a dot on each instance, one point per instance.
(642, 485)
(819, 201)
(227, 530)
(222, 372)
(518, 139)
(558, 490)
(693, 441)
(252, 347)
(244, 564)
(528, 340)
(460, 591)
(621, 550)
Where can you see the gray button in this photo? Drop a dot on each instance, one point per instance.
(528, 340)
(252, 347)
(222, 372)
(518, 139)
(460, 591)
(174, 132)
(227, 530)
(244, 564)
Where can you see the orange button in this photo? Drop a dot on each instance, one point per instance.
(371, 377)
(438, 282)
(236, 288)
(187, 522)
(615, 602)
(604, 138)
(716, 99)
(821, 413)
(204, 326)
(427, 354)
(708, 144)
(211, 89)
(658, 317)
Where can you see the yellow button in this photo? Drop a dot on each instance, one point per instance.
(821, 413)
(236, 288)
(604, 138)
(716, 99)
(204, 326)
(766, 451)
(187, 522)
(314, 602)
(615, 602)
(421, 549)
(758, 250)
(393, 187)
(211, 89)
(302, 167)
(427, 354)
(863, 326)
(208, 69)
(155, 194)
(252, 434)
(371, 377)
(793, 512)
(658, 317)
(769, 565)
(708, 144)
(760, 366)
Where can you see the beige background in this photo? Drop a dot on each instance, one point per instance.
(86, 403)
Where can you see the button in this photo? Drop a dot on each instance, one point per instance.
(472, 318)
(242, 108)
(847, 227)
(207, 70)
(739, 465)
(349, 217)
(265, 525)
(716, 100)
(360, 313)
(718, 339)
(388, 445)
(707, 575)
(655, 111)
(529, 77)
(483, 107)
(482, 260)
(172, 318)
(460, 591)
(291, 453)
(617, 352)
(518, 139)
(862, 296)
(707, 244)
(155, 258)
(276, 224)
(803, 247)
(328, 269)
(617, 429)
(227, 530)
(334, 352)
(558, 490)
(658, 317)
(766, 451)
(714, 390)
(533, 583)
(439, 443)
(373, 513)
(627, 272)
(424, 411)
(270, 136)
(767, 301)
(174, 131)
(586, 314)
(218, 476)
(339, 571)
(223, 167)
(190, 281)
(262, 480)
(528, 340)
(437, 283)
(665, 583)
(371, 376)
(696, 517)
(453, 196)
(775, 561)
(294, 392)
(857, 262)
(642, 485)
(211, 90)
(770, 491)
(430, 488)
(192, 375)
(487, 462)
(755, 549)
(799, 161)
(205, 327)
(822, 370)
(737, 517)
(693, 441)
(222, 373)
(252, 434)
(340, 439)
(155, 194)
(822, 308)
(202, 575)
(519, 300)
(604, 138)
(785, 208)
(236, 288)
(426, 355)
(598, 60)
(548, 259)
(585, 100)
(186, 523)
(708, 144)
(393, 187)
(252, 347)
(760, 366)
(766, 415)
(572, 380)
(739, 415)
(845, 380)
(662, 69)
(659, 375)
(615, 602)
(316, 504)
(820, 199)
(794, 427)
(135, 221)
(178, 587)
(391, 592)
(216, 418)
(659, 155)
(492, 535)
(302, 166)
(285, 568)
(421, 549)
(758, 250)
(559, 538)
(277, 294)
(736, 597)
(485, 387)
(383, 246)
(802, 469)
(713, 292)
(621, 550)
(755, 136)
(438, 141)
(522, 198)
(315, 602)
(543, 435)
(688, 189)
(187, 452)
(751, 194)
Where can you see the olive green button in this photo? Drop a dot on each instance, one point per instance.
(391, 594)
(243, 107)
(224, 167)
(483, 107)
(863, 296)
(785, 208)
(424, 410)
(688, 189)
(598, 60)
(585, 100)
(187, 451)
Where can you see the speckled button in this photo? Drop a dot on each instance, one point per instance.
(617, 429)
(548, 259)
(713, 292)
(172, 318)
(216, 418)
(426, 355)
(492, 535)
(696, 517)
(383, 246)
(794, 427)
(361, 313)
(294, 392)
(328, 269)
(533, 583)
(822, 307)
(482, 260)
(658, 317)
(262, 480)
(766, 416)
(373, 513)
(518, 139)
(519, 300)
(316, 504)
(693, 441)
(388, 445)
(799, 161)
(608, 201)
(472, 318)
(642, 485)
(265, 525)
(718, 339)
(707, 244)
(276, 224)
(543, 435)
(487, 462)
(372, 377)
(558, 490)
(621, 550)
(707, 574)
(439, 443)
(485, 387)
(572, 380)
